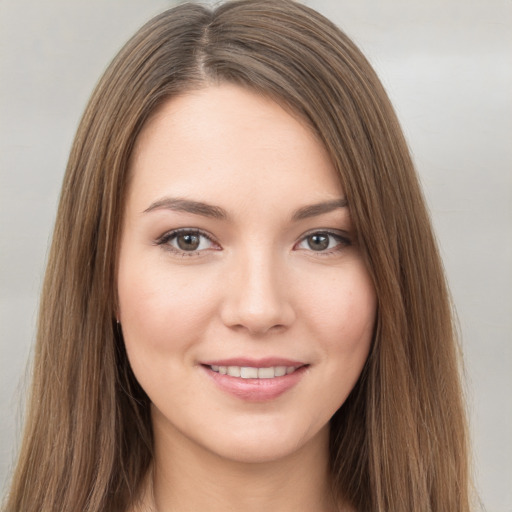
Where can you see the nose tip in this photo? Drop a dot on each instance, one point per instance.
(257, 302)
(258, 321)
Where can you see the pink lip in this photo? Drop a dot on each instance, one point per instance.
(255, 390)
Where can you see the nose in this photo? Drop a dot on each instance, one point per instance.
(256, 297)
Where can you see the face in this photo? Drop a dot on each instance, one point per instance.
(246, 308)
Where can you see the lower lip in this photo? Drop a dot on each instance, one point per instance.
(256, 390)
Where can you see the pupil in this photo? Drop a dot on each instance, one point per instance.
(318, 242)
(188, 242)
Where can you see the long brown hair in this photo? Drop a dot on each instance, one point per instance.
(399, 441)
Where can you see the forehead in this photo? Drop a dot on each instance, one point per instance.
(223, 141)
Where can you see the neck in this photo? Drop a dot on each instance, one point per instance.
(186, 477)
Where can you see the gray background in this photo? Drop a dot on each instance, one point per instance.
(447, 67)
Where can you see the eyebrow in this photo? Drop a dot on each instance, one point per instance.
(188, 206)
(318, 209)
(216, 212)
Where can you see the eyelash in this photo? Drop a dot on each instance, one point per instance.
(164, 241)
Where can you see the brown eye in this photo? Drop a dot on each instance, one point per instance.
(188, 242)
(318, 241)
(324, 242)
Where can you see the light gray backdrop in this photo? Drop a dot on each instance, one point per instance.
(447, 67)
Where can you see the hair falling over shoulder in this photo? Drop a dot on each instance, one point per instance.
(399, 443)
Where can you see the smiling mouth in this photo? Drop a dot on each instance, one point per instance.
(265, 380)
(250, 372)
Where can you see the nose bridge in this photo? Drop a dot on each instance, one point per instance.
(256, 297)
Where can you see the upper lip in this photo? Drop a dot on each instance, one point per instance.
(265, 362)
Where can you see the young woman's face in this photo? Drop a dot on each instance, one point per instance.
(246, 308)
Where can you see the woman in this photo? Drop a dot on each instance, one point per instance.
(244, 305)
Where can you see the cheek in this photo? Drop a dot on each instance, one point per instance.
(162, 315)
(162, 309)
(346, 326)
(344, 311)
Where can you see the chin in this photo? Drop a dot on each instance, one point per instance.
(267, 445)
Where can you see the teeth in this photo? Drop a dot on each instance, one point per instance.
(234, 371)
(246, 372)
(279, 371)
(266, 373)
(249, 372)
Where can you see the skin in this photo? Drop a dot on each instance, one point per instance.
(260, 286)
